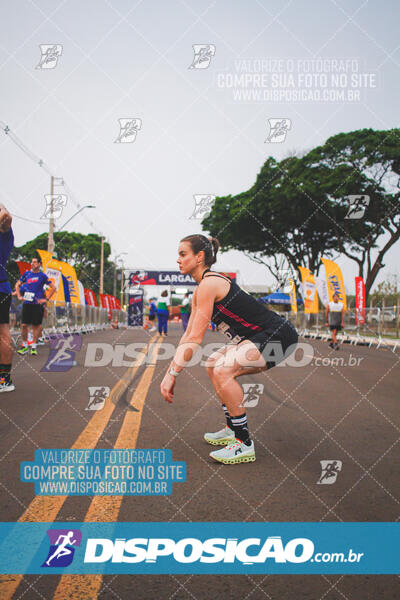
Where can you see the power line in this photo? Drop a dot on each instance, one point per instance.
(25, 219)
(41, 163)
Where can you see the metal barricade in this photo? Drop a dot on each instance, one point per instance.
(377, 324)
(66, 317)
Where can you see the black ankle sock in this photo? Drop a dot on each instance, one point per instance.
(239, 426)
(227, 416)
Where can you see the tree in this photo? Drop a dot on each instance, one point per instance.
(295, 213)
(277, 222)
(81, 251)
(387, 291)
(369, 163)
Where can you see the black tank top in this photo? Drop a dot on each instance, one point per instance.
(240, 316)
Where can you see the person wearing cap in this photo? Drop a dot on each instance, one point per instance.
(162, 313)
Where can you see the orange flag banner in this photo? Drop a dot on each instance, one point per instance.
(310, 296)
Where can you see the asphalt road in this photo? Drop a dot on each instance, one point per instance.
(344, 411)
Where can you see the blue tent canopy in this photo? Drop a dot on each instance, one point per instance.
(278, 298)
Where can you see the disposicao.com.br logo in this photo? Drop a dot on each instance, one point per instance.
(62, 547)
(247, 551)
(200, 548)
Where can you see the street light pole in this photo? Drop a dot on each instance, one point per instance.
(101, 264)
(115, 272)
(77, 213)
(115, 281)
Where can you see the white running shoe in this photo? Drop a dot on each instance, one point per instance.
(153, 329)
(6, 386)
(220, 438)
(237, 452)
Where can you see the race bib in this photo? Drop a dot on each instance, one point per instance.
(29, 296)
(230, 333)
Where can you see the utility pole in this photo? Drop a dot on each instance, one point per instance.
(122, 286)
(50, 240)
(101, 264)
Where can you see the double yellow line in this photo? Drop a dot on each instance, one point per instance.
(102, 508)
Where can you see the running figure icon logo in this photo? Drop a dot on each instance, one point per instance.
(357, 206)
(62, 550)
(97, 397)
(278, 129)
(128, 129)
(62, 353)
(329, 471)
(50, 55)
(203, 54)
(252, 393)
(137, 277)
(58, 201)
(202, 205)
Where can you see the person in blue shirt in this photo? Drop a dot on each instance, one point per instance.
(6, 350)
(32, 284)
(152, 314)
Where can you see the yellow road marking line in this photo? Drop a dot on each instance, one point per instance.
(106, 508)
(46, 508)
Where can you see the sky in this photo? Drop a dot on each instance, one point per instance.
(200, 130)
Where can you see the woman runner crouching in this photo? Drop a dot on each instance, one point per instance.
(259, 339)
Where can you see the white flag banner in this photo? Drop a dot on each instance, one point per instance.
(322, 288)
(81, 290)
(54, 275)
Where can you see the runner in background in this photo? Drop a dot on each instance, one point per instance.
(6, 349)
(32, 284)
(163, 313)
(335, 319)
(152, 313)
(185, 311)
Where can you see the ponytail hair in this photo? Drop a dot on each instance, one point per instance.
(210, 246)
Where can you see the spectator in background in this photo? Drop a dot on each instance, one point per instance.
(152, 314)
(13, 310)
(185, 311)
(162, 314)
(18, 312)
(335, 319)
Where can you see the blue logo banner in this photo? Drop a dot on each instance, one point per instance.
(200, 548)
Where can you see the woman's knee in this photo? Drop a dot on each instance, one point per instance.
(222, 373)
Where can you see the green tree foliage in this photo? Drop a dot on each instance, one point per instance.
(387, 291)
(296, 210)
(81, 251)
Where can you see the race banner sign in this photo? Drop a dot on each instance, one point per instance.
(141, 277)
(360, 301)
(135, 308)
